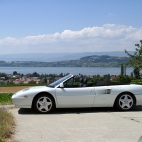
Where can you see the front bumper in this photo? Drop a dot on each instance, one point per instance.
(21, 101)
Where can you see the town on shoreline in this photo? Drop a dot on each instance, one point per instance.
(35, 78)
(43, 79)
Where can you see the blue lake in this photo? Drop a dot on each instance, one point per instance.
(73, 70)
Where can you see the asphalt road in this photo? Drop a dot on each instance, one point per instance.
(78, 125)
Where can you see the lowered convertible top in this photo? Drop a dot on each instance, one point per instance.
(108, 83)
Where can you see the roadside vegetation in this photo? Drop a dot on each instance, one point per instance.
(5, 98)
(7, 121)
(6, 125)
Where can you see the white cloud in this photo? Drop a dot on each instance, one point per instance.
(109, 37)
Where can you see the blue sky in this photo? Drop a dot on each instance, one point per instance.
(62, 26)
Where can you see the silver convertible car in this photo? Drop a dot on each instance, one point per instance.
(65, 93)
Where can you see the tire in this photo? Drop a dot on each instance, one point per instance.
(44, 104)
(125, 102)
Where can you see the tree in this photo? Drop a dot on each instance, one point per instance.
(124, 79)
(45, 80)
(32, 82)
(122, 71)
(61, 75)
(135, 59)
(106, 77)
(15, 73)
(137, 73)
(131, 74)
(35, 74)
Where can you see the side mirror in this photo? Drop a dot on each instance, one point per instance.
(61, 85)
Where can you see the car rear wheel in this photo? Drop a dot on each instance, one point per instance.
(125, 102)
(44, 104)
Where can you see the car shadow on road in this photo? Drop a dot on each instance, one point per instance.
(27, 111)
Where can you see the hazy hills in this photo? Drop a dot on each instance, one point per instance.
(87, 61)
(51, 57)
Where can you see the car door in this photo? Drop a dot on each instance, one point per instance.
(70, 96)
(103, 97)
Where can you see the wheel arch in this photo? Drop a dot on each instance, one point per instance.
(124, 93)
(47, 93)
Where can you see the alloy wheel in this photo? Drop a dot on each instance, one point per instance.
(126, 102)
(44, 104)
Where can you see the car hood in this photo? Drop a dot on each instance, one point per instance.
(32, 91)
(37, 88)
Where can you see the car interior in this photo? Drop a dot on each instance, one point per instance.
(83, 83)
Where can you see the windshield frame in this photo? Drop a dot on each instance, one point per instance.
(58, 82)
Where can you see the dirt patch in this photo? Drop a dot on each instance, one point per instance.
(12, 89)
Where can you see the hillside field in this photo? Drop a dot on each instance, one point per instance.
(12, 89)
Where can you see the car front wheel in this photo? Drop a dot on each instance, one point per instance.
(44, 104)
(125, 102)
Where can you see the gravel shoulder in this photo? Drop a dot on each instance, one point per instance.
(78, 125)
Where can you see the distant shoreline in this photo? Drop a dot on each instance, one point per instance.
(87, 61)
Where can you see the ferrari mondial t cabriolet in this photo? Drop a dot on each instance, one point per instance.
(66, 93)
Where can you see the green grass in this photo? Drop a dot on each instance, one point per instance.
(5, 98)
(6, 118)
(6, 125)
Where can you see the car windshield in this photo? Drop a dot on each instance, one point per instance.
(59, 81)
